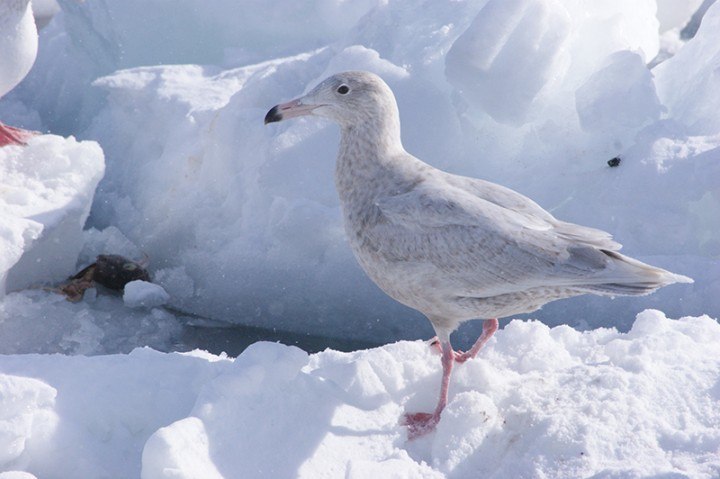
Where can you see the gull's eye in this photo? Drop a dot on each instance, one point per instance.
(343, 89)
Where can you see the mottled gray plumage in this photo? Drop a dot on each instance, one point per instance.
(452, 247)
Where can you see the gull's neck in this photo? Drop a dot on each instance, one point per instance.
(371, 140)
(368, 154)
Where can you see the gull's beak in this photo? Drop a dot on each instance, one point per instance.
(290, 109)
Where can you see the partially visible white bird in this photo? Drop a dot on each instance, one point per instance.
(452, 247)
(18, 48)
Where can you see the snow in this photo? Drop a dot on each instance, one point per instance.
(673, 14)
(47, 190)
(167, 157)
(43, 322)
(690, 76)
(143, 294)
(559, 44)
(538, 402)
(622, 80)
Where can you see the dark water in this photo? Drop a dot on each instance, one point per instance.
(217, 337)
(233, 340)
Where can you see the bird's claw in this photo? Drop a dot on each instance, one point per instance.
(460, 356)
(419, 423)
(9, 135)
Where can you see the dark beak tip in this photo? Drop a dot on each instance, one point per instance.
(273, 115)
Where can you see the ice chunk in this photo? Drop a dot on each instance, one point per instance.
(518, 60)
(601, 28)
(508, 54)
(619, 97)
(358, 57)
(675, 14)
(143, 294)
(687, 83)
(48, 187)
(16, 234)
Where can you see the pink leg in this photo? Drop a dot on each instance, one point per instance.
(10, 135)
(421, 423)
(489, 328)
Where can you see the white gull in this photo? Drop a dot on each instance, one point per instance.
(452, 247)
(18, 48)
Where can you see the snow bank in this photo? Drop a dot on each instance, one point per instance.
(538, 402)
(90, 39)
(241, 221)
(47, 189)
(93, 414)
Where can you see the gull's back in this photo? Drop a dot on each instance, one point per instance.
(453, 247)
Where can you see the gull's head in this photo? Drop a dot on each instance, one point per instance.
(349, 98)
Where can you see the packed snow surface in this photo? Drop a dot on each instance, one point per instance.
(537, 402)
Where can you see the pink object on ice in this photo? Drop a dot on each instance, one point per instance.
(18, 48)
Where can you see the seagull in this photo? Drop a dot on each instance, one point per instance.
(18, 48)
(452, 247)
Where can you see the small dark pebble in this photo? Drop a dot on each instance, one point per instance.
(614, 162)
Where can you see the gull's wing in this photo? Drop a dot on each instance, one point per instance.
(436, 203)
(520, 204)
(489, 245)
